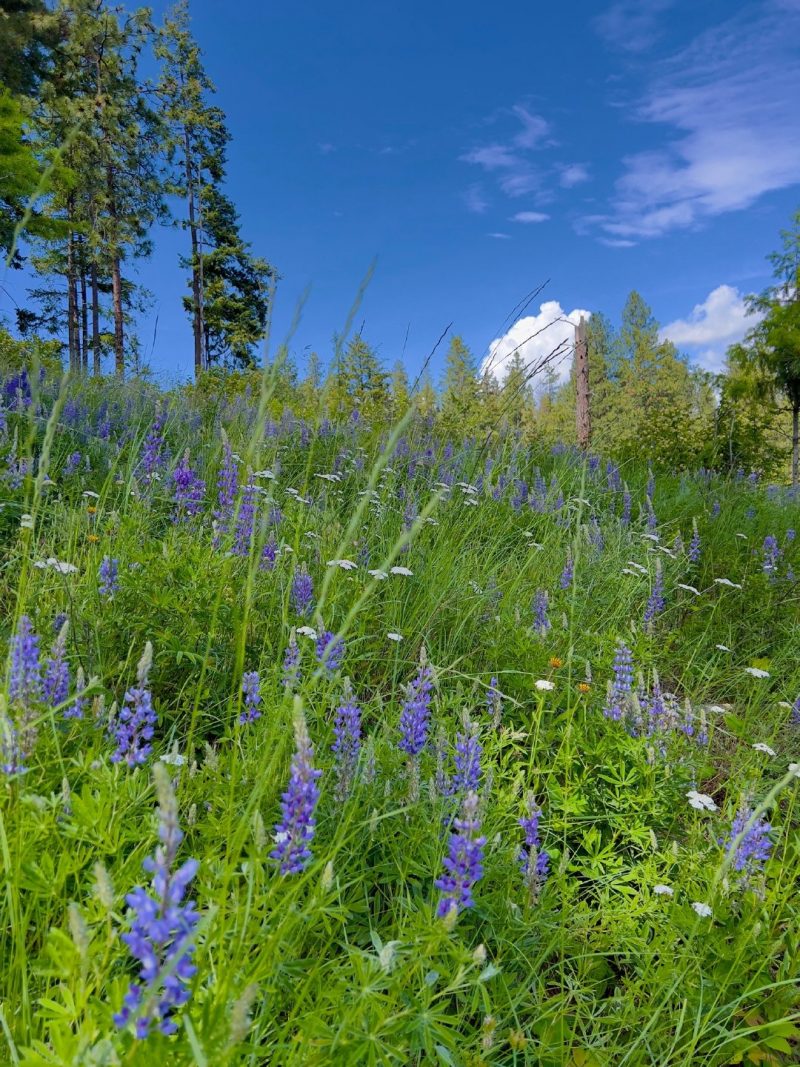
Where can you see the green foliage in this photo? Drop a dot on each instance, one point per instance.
(347, 962)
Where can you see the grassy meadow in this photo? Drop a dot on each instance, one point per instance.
(483, 754)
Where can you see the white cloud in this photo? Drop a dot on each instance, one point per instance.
(534, 128)
(574, 174)
(721, 320)
(475, 200)
(631, 25)
(535, 337)
(530, 216)
(500, 236)
(730, 99)
(507, 160)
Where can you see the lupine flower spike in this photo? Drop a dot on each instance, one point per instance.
(252, 697)
(463, 865)
(295, 830)
(347, 741)
(534, 862)
(162, 930)
(135, 722)
(619, 690)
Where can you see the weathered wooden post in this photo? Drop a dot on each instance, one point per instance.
(583, 418)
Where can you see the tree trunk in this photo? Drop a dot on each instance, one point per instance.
(197, 267)
(583, 419)
(116, 281)
(95, 321)
(795, 441)
(84, 323)
(72, 311)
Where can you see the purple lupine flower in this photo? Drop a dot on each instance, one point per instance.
(627, 505)
(269, 554)
(541, 621)
(754, 849)
(415, 715)
(655, 602)
(291, 662)
(72, 464)
(494, 702)
(78, 705)
(58, 622)
(693, 553)
(771, 554)
(463, 863)
(620, 689)
(302, 591)
(55, 684)
(245, 520)
(790, 535)
(652, 521)
(12, 758)
(152, 457)
(295, 830)
(109, 576)
(533, 860)
(596, 538)
(651, 484)
(135, 722)
(613, 479)
(715, 509)
(227, 483)
(347, 741)
(189, 493)
(795, 718)
(329, 651)
(467, 776)
(25, 679)
(163, 928)
(251, 690)
(568, 573)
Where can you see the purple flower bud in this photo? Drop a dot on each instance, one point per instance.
(621, 687)
(415, 715)
(330, 651)
(295, 830)
(252, 697)
(302, 592)
(463, 865)
(109, 576)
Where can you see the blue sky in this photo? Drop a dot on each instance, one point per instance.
(480, 150)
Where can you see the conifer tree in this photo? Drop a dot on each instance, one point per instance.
(230, 288)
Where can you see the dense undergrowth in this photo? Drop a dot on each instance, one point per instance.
(483, 597)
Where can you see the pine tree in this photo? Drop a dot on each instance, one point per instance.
(230, 288)
(460, 387)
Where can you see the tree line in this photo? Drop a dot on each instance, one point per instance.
(95, 157)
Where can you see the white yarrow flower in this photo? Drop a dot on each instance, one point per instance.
(345, 564)
(379, 574)
(728, 582)
(723, 648)
(794, 768)
(757, 672)
(702, 910)
(26, 522)
(664, 890)
(760, 746)
(689, 588)
(401, 570)
(544, 685)
(307, 631)
(701, 801)
(395, 637)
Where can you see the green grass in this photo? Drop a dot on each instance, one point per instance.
(347, 962)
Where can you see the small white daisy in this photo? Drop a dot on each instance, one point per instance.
(664, 890)
(757, 672)
(702, 910)
(544, 684)
(174, 759)
(760, 746)
(701, 801)
(401, 570)
(395, 637)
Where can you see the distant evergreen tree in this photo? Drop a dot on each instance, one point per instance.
(230, 288)
(460, 393)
